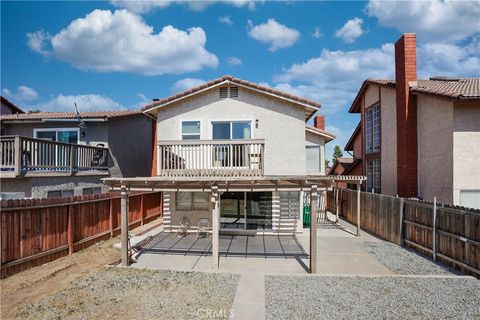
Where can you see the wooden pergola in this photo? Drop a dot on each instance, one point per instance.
(215, 185)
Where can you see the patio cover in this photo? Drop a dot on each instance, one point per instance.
(214, 185)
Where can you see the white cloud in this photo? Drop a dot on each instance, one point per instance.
(85, 102)
(22, 94)
(184, 84)
(225, 20)
(145, 6)
(317, 33)
(273, 33)
(436, 20)
(351, 30)
(234, 61)
(143, 100)
(120, 41)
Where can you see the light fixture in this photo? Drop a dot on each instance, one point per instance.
(256, 123)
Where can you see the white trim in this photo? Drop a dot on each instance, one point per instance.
(36, 130)
(324, 135)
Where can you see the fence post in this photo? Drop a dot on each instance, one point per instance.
(401, 230)
(111, 215)
(358, 209)
(70, 229)
(434, 231)
(141, 208)
(336, 203)
(18, 156)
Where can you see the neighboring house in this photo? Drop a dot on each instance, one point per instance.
(8, 107)
(52, 154)
(419, 138)
(236, 129)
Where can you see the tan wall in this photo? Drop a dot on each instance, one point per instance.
(466, 148)
(371, 95)
(388, 159)
(281, 125)
(435, 148)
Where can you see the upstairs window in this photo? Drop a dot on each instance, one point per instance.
(372, 129)
(68, 135)
(231, 130)
(190, 130)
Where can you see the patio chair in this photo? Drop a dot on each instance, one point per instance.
(203, 227)
(183, 228)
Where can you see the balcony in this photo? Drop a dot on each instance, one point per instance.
(22, 156)
(211, 158)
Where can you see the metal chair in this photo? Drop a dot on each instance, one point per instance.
(203, 228)
(183, 228)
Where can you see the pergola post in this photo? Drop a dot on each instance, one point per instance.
(124, 225)
(313, 228)
(358, 209)
(215, 226)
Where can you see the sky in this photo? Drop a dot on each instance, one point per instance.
(122, 54)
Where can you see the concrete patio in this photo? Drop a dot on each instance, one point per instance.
(338, 253)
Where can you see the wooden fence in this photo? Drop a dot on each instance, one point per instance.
(454, 238)
(36, 231)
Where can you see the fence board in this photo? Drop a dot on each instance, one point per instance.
(36, 231)
(458, 229)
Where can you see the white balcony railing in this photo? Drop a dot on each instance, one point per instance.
(23, 155)
(211, 158)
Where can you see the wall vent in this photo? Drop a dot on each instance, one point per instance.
(233, 92)
(223, 92)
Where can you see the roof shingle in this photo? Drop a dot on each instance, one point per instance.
(69, 115)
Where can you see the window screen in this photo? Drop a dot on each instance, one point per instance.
(191, 130)
(313, 158)
(190, 201)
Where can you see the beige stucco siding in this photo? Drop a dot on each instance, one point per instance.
(371, 95)
(435, 148)
(388, 159)
(466, 149)
(280, 124)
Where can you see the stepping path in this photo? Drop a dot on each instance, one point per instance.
(249, 301)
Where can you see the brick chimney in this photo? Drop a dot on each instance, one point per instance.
(319, 122)
(406, 77)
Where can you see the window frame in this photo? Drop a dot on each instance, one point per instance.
(191, 134)
(374, 112)
(37, 130)
(374, 178)
(191, 206)
(231, 128)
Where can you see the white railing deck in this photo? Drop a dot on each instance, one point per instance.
(23, 155)
(211, 158)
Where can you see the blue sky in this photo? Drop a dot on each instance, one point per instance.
(121, 54)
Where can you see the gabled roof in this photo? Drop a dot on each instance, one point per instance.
(327, 136)
(14, 108)
(344, 162)
(354, 164)
(454, 89)
(309, 106)
(349, 145)
(41, 116)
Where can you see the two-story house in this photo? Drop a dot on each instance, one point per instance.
(234, 127)
(419, 138)
(235, 157)
(56, 154)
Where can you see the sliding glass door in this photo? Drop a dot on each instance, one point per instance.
(246, 210)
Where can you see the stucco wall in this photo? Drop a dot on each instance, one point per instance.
(371, 95)
(38, 187)
(130, 143)
(466, 148)
(435, 148)
(316, 140)
(388, 158)
(281, 125)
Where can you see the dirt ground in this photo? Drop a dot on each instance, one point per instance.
(31, 285)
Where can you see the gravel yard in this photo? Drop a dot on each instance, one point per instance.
(371, 297)
(138, 294)
(403, 261)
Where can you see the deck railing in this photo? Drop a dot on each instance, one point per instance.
(211, 158)
(20, 155)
